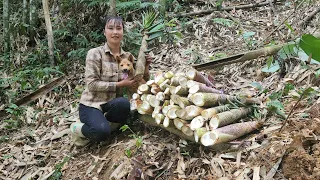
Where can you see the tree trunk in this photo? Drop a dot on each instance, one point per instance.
(25, 12)
(32, 21)
(49, 31)
(112, 8)
(6, 32)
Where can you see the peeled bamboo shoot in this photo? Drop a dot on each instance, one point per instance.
(203, 88)
(186, 130)
(197, 122)
(181, 90)
(229, 133)
(197, 76)
(228, 117)
(178, 123)
(198, 133)
(209, 113)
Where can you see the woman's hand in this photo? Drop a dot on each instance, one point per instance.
(127, 83)
(149, 60)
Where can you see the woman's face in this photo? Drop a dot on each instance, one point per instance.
(113, 32)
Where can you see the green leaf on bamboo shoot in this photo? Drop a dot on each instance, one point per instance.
(310, 45)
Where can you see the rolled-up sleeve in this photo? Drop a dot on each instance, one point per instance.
(93, 73)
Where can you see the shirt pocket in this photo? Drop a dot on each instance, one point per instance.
(109, 72)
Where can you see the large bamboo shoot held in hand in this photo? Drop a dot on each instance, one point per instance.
(229, 133)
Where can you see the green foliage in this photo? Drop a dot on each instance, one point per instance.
(4, 139)
(223, 22)
(139, 139)
(57, 175)
(310, 45)
(16, 113)
(249, 39)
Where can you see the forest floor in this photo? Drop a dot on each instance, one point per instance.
(43, 148)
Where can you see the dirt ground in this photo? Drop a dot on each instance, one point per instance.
(42, 148)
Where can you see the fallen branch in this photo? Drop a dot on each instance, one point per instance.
(247, 6)
(309, 17)
(37, 94)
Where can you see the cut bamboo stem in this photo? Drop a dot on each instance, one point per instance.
(166, 121)
(144, 88)
(178, 123)
(145, 108)
(198, 133)
(159, 118)
(187, 131)
(181, 90)
(197, 122)
(229, 133)
(197, 76)
(211, 99)
(203, 88)
(168, 75)
(159, 80)
(209, 113)
(153, 101)
(183, 81)
(189, 112)
(172, 112)
(228, 117)
(191, 83)
(135, 96)
(155, 89)
(184, 102)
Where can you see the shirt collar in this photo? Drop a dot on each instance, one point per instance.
(107, 49)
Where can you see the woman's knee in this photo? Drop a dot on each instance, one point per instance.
(123, 103)
(101, 132)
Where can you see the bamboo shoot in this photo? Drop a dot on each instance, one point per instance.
(228, 117)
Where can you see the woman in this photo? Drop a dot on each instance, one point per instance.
(100, 103)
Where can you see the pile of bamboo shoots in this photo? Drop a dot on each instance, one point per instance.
(190, 103)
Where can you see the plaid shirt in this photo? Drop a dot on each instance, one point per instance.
(101, 75)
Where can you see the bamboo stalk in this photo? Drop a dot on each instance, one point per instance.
(181, 90)
(191, 83)
(197, 76)
(159, 80)
(172, 112)
(203, 88)
(183, 81)
(229, 133)
(186, 130)
(144, 88)
(228, 117)
(197, 122)
(135, 96)
(155, 89)
(154, 102)
(145, 108)
(198, 133)
(211, 99)
(164, 84)
(189, 112)
(159, 118)
(166, 121)
(178, 123)
(209, 113)
(184, 102)
(168, 75)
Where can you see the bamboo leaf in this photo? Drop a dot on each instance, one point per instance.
(310, 45)
(273, 67)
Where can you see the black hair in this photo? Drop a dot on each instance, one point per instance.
(117, 20)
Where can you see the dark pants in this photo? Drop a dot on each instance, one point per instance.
(96, 126)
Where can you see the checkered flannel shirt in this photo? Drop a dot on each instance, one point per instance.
(101, 75)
